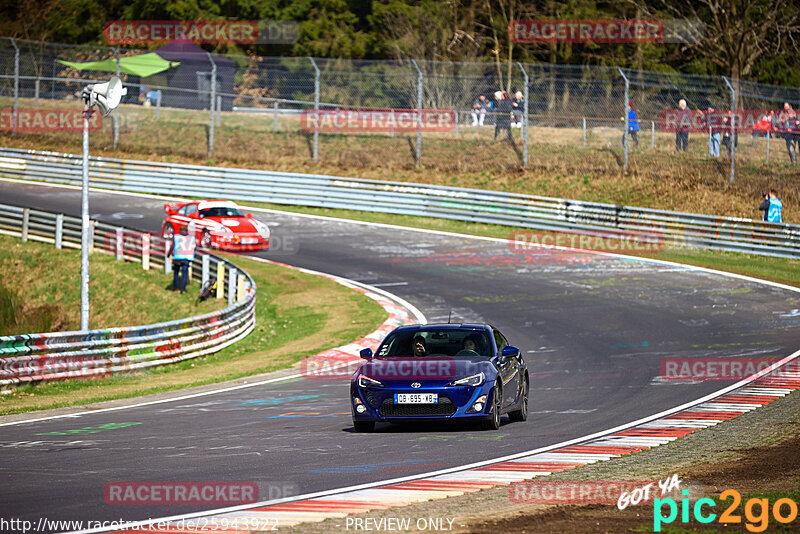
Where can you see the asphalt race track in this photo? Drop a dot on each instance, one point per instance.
(593, 328)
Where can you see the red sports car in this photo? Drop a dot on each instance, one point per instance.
(216, 223)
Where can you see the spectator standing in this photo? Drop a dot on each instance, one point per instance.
(764, 126)
(479, 110)
(682, 131)
(183, 247)
(633, 125)
(790, 129)
(730, 137)
(518, 106)
(503, 114)
(714, 131)
(772, 207)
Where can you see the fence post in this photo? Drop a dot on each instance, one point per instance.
(26, 216)
(167, 258)
(240, 289)
(233, 273)
(584, 131)
(525, 114)
(211, 105)
(116, 110)
(206, 268)
(146, 251)
(15, 111)
(59, 237)
(220, 279)
(652, 135)
(275, 117)
(118, 246)
(158, 104)
(219, 108)
(316, 109)
(734, 133)
(36, 92)
(419, 112)
(625, 108)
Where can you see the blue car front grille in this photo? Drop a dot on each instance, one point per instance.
(443, 408)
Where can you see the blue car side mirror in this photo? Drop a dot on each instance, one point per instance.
(366, 353)
(509, 350)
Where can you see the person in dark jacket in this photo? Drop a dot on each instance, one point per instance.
(503, 114)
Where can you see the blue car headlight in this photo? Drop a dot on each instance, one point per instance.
(366, 382)
(471, 380)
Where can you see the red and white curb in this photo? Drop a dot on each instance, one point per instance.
(759, 390)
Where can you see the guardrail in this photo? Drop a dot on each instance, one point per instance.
(476, 205)
(100, 353)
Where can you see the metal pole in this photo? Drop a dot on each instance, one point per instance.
(211, 105)
(87, 111)
(36, 92)
(59, 237)
(419, 112)
(219, 108)
(625, 135)
(584, 131)
(116, 111)
(525, 114)
(275, 117)
(653, 135)
(16, 86)
(158, 104)
(734, 136)
(316, 109)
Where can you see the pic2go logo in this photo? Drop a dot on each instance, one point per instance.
(757, 521)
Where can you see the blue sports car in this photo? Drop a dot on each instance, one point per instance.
(443, 371)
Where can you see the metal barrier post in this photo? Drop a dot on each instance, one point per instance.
(87, 240)
(59, 236)
(525, 114)
(240, 289)
(233, 273)
(146, 251)
(26, 217)
(419, 112)
(584, 131)
(220, 279)
(167, 259)
(15, 111)
(316, 109)
(118, 243)
(627, 117)
(116, 110)
(206, 267)
(734, 134)
(158, 104)
(36, 92)
(211, 105)
(275, 117)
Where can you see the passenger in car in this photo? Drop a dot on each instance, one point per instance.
(418, 346)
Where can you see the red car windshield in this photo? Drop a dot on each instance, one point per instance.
(221, 211)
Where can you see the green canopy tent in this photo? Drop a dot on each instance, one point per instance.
(143, 65)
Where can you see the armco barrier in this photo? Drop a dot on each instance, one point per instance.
(491, 207)
(99, 353)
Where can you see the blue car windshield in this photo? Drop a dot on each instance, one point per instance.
(436, 343)
(222, 211)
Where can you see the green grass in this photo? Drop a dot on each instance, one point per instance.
(297, 315)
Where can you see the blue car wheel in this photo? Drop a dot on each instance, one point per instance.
(493, 421)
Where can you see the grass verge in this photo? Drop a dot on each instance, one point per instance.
(298, 315)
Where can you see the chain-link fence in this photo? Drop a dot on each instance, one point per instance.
(281, 111)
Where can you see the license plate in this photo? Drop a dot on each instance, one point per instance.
(416, 398)
(249, 241)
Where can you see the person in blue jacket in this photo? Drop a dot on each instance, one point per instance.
(183, 247)
(772, 207)
(633, 125)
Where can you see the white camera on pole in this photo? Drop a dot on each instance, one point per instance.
(106, 96)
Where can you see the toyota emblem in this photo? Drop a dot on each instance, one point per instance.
(416, 385)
